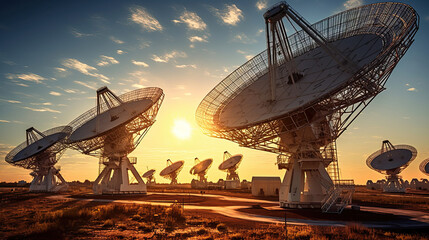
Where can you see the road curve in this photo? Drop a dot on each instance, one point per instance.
(417, 219)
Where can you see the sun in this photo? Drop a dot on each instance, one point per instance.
(181, 129)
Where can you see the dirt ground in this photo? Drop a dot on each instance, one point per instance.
(39, 216)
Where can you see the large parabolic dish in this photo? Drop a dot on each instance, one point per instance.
(297, 97)
(40, 152)
(112, 130)
(392, 160)
(172, 170)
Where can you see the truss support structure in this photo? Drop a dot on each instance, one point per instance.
(115, 178)
(48, 180)
(394, 184)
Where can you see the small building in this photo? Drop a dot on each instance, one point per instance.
(232, 184)
(265, 186)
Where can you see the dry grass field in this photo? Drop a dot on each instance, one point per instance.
(33, 216)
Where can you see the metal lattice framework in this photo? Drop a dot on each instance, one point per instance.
(386, 147)
(44, 159)
(132, 130)
(423, 167)
(395, 23)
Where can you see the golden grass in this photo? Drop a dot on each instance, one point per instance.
(43, 218)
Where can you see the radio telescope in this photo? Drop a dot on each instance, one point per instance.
(172, 170)
(40, 152)
(200, 169)
(424, 166)
(297, 97)
(149, 175)
(230, 165)
(112, 130)
(391, 160)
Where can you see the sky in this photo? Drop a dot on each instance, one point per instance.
(55, 54)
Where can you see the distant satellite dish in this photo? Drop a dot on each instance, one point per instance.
(172, 170)
(230, 165)
(40, 152)
(200, 169)
(391, 160)
(297, 97)
(112, 130)
(149, 175)
(424, 166)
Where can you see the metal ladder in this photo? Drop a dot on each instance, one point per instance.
(338, 195)
(337, 199)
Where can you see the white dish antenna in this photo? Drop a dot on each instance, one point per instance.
(40, 152)
(172, 170)
(297, 97)
(200, 168)
(424, 166)
(230, 165)
(392, 160)
(150, 176)
(149, 173)
(113, 129)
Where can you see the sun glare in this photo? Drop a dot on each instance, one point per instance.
(181, 129)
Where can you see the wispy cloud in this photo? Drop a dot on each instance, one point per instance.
(106, 60)
(137, 73)
(231, 14)
(349, 4)
(61, 69)
(246, 54)
(4, 121)
(42, 104)
(70, 90)
(55, 93)
(22, 84)
(412, 89)
(259, 32)
(186, 66)
(45, 109)
(261, 4)
(115, 40)
(31, 77)
(168, 56)
(243, 38)
(120, 52)
(136, 85)
(86, 85)
(192, 20)
(79, 34)
(10, 101)
(8, 62)
(140, 16)
(144, 44)
(84, 69)
(139, 63)
(198, 39)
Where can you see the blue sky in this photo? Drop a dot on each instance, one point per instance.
(53, 55)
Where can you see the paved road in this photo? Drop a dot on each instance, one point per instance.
(416, 218)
